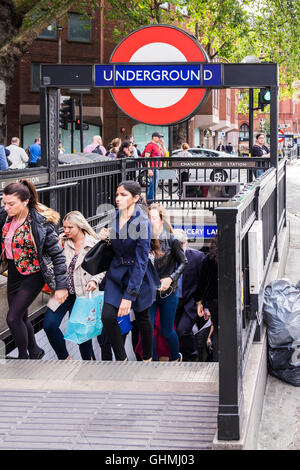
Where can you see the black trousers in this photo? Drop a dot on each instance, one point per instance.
(21, 292)
(200, 342)
(184, 325)
(112, 329)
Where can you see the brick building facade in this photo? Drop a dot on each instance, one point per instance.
(217, 119)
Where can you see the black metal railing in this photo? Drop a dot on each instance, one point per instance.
(91, 188)
(240, 311)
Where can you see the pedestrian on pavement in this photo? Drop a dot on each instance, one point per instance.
(61, 150)
(259, 149)
(169, 262)
(18, 157)
(78, 238)
(206, 294)
(32, 256)
(125, 150)
(96, 146)
(137, 150)
(184, 174)
(155, 148)
(221, 147)
(134, 152)
(229, 148)
(3, 158)
(186, 314)
(115, 146)
(35, 153)
(131, 280)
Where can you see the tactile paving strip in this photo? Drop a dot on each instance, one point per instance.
(106, 420)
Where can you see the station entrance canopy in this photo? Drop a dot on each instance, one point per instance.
(160, 75)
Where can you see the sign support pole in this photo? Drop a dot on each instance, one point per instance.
(81, 123)
(44, 126)
(53, 102)
(251, 130)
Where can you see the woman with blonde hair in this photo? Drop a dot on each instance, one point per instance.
(78, 238)
(169, 262)
(32, 256)
(115, 146)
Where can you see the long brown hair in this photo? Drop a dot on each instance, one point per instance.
(164, 216)
(25, 190)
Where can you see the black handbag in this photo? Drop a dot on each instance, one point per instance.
(98, 259)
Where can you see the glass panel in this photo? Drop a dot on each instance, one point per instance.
(79, 29)
(35, 76)
(142, 134)
(49, 32)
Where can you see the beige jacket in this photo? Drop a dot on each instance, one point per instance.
(81, 277)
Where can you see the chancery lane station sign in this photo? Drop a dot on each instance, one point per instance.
(160, 75)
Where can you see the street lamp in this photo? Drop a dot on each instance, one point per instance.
(59, 29)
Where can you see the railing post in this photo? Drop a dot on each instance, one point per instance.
(53, 116)
(123, 168)
(274, 155)
(230, 324)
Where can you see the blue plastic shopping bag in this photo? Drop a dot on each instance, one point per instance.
(85, 320)
(125, 324)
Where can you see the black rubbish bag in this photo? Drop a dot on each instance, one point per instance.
(282, 318)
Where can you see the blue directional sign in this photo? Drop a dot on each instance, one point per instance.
(158, 76)
(199, 231)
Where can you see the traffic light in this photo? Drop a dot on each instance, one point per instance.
(264, 98)
(69, 106)
(63, 119)
(85, 126)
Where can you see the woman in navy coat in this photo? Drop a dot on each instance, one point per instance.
(131, 280)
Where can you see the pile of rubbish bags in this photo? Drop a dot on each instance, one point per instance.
(282, 318)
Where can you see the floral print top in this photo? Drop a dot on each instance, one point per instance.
(70, 274)
(23, 247)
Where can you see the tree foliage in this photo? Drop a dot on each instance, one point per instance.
(228, 29)
(23, 20)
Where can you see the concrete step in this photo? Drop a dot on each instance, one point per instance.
(187, 377)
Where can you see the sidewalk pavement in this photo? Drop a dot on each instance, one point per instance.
(280, 424)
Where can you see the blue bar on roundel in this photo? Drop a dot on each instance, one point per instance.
(212, 75)
(177, 75)
(104, 75)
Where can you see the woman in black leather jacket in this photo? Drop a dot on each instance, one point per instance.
(169, 261)
(32, 256)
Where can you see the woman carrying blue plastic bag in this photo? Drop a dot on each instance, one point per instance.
(85, 320)
(131, 280)
(77, 240)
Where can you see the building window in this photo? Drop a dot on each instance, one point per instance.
(215, 98)
(35, 76)
(49, 32)
(244, 132)
(228, 105)
(79, 28)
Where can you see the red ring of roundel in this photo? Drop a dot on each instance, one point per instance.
(134, 108)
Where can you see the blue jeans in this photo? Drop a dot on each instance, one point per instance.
(167, 310)
(55, 337)
(153, 180)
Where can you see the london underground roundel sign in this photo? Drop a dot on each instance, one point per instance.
(159, 44)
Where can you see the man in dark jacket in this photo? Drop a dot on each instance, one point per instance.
(186, 313)
(3, 160)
